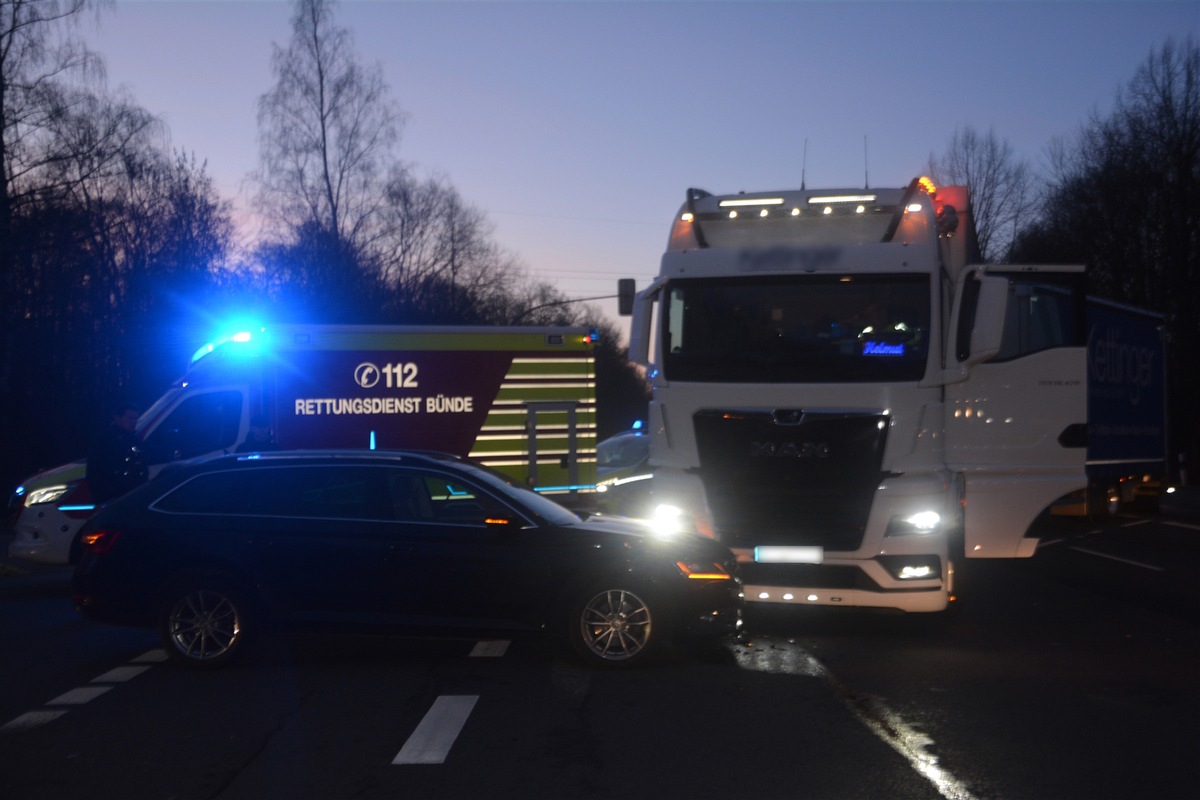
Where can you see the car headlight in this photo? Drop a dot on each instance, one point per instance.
(667, 520)
(920, 522)
(47, 494)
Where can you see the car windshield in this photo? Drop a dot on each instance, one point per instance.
(621, 451)
(833, 328)
(528, 499)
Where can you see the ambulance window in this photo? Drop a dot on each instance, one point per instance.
(205, 423)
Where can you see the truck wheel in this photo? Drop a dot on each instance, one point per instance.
(614, 623)
(204, 622)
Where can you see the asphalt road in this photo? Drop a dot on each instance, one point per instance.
(1074, 674)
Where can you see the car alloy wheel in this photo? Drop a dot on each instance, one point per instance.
(614, 627)
(203, 625)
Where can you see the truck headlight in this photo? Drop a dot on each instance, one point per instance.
(920, 522)
(912, 568)
(47, 494)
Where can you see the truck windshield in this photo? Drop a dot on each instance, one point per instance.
(796, 329)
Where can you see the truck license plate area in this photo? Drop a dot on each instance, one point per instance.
(783, 554)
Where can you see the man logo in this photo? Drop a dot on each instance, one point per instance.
(789, 450)
(366, 375)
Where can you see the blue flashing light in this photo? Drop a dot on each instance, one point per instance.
(372, 444)
(637, 425)
(77, 508)
(242, 337)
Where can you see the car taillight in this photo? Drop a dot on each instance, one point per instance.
(100, 542)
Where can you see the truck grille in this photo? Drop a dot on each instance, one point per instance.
(790, 477)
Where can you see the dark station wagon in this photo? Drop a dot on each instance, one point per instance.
(213, 551)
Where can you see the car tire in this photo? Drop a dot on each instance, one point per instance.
(204, 622)
(615, 623)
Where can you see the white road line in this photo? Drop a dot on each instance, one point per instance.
(1181, 525)
(430, 743)
(77, 697)
(120, 674)
(32, 719)
(915, 747)
(1098, 554)
(490, 649)
(84, 694)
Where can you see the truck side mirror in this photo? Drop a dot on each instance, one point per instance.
(626, 289)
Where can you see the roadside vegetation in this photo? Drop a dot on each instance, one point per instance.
(115, 248)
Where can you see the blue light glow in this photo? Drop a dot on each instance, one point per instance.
(241, 336)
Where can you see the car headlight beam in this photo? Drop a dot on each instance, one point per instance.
(46, 494)
(667, 520)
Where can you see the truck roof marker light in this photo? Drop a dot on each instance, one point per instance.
(842, 199)
(752, 201)
(928, 185)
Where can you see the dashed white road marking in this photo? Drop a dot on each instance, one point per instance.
(430, 743)
(79, 696)
(82, 694)
(31, 719)
(490, 649)
(120, 674)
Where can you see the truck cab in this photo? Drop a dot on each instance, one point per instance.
(851, 402)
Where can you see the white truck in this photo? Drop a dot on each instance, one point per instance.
(518, 399)
(850, 403)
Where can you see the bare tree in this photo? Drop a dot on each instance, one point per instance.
(1000, 186)
(326, 131)
(1124, 199)
(35, 58)
(435, 253)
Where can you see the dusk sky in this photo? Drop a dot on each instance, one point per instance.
(576, 127)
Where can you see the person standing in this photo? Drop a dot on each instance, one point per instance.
(114, 463)
(259, 439)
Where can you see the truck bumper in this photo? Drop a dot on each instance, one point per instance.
(866, 583)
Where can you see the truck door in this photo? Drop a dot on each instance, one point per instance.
(552, 436)
(1016, 427)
